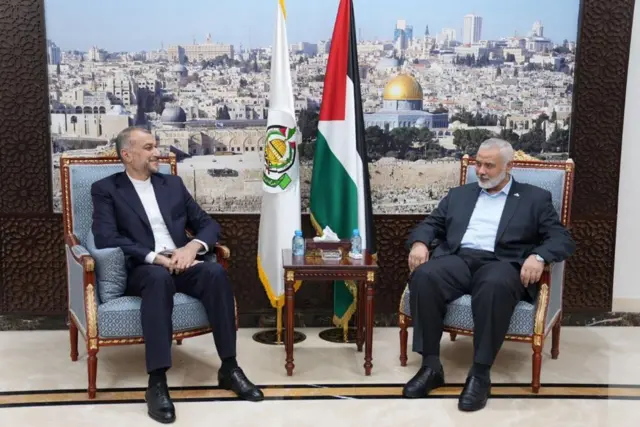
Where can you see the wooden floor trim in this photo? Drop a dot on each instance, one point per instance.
(28, 398)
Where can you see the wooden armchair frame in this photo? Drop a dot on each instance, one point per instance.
(81, 256)
(539, 334)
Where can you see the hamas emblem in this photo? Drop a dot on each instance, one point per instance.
(279, 157)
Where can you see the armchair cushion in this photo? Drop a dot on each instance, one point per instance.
(111, 270)
(459, 314)
(120, 317)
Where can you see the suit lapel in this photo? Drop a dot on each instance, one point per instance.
(164, 201)
(129, 194)
(513, 198)
(467, 210)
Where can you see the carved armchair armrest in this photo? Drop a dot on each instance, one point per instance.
(546, 274)
(549, 304)
(81, 286)
(223, 251)
(80, 253)
(223, 254)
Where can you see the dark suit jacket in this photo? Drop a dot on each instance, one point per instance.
(119, 219)
(529, 225)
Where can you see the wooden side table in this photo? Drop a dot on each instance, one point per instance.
(314, 268)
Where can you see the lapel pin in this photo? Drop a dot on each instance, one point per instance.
(516, 194)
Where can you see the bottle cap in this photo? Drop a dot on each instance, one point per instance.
(298, 233)
(356, 232)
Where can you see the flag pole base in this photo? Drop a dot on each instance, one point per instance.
(336, 335)
(270, 337)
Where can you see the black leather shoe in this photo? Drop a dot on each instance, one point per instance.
(159, 405)
(236, 381)
(475, 394)
(423, 383)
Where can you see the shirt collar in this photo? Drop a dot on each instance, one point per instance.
(137, 181)
(504, 190)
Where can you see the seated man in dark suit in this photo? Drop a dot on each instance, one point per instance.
(496, 236)
(146, 214)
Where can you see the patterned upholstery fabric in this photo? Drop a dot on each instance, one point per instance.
(120, 317)
(555, 293)
(75, 284)
(459, 311)
(79, 251)
(459, 314)
(81, 177)
(111, 270)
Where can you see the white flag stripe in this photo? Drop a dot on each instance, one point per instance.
(351, 114)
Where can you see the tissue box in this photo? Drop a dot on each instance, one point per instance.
(327, 249)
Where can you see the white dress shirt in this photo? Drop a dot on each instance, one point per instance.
(161, 234)
(483, 225)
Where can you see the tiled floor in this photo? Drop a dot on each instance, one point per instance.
(595, 382)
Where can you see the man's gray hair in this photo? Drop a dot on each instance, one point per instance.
(505, 147)
(124, 138)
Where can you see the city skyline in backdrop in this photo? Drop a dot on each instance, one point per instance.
(373, 19)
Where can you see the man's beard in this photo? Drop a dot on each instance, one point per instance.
(151, 167)
(492, 183)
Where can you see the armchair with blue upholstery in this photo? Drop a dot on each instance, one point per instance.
(530, 323)
(96, 278)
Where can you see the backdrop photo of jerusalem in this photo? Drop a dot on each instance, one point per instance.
(430, 95)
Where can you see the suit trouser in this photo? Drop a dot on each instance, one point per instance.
(495, 290)
(206, 281)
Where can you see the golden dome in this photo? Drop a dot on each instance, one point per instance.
(403, 88)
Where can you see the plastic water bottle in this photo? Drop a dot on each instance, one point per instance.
(356, 243)
(297, 247)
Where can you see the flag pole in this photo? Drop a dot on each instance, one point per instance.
(279, 326)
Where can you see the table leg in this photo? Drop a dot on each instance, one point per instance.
(369, 329)
(361, 316)
(289, 332)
